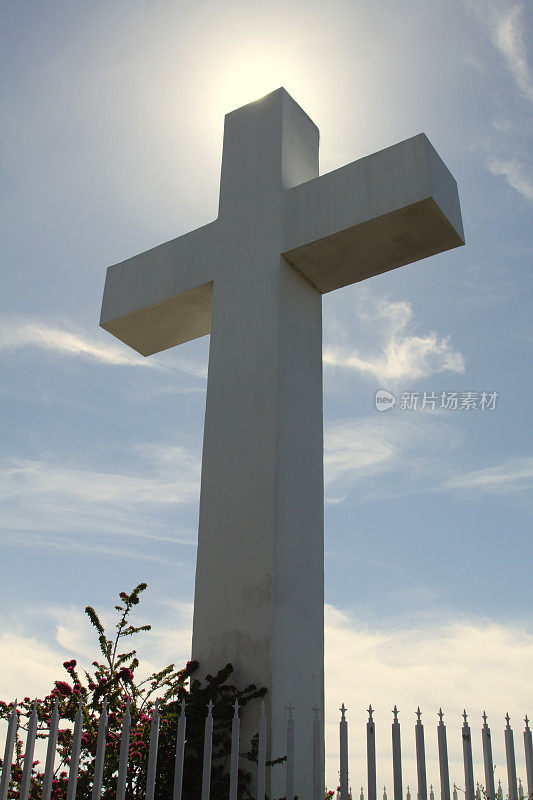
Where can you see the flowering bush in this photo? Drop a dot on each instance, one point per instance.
(113, 676)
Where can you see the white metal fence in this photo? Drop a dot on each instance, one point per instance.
(472, 791)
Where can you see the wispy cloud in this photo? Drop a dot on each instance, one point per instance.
(399, 351)
(505, 21)
(508, 34)
(388, 456)
(45, 495)
(514, 173)
(27, 477)
(16, 333)
(357, 450)
(507, 478)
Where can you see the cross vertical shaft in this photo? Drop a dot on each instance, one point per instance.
(259, 594)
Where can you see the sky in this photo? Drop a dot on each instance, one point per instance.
(112, 121)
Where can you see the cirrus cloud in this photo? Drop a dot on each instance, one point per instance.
(399, 351)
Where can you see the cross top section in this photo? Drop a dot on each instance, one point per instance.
(335, 229)
(269, 145)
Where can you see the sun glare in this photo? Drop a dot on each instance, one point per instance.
(251, 73)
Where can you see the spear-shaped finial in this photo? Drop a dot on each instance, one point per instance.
(418, 715)
(508, 718)
(210, 709)
(182, 705)
(343, 710)
(440, 714)
(236, 708)
(464, 715)
(484, 718)
(395, 712)
(526, 720)
(370, 712)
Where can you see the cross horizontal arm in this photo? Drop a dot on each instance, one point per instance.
(162, 297)
(380, 212)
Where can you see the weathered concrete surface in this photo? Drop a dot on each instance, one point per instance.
(254, 278)
(381, 212)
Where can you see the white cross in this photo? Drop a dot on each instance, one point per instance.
(253, 278)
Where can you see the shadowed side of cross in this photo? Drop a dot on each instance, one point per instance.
(253, 278)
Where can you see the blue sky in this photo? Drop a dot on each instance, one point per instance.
(112, 135)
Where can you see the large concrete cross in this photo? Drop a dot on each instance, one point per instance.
(254, 278)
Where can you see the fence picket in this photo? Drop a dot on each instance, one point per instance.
(180, 753)
(208, 746)
(8, 752)
(124, 753)
(51, 753)
(443, 758)
(261, 755)
(75, 754)
(487, 760)
(28, 754)
(528, 748)
(467, 758)
(396, 756)
(371, 755)
(343, 735)
(152, 753)
(234, 759)
(510, 758)
(100, 752)
(420, 758)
